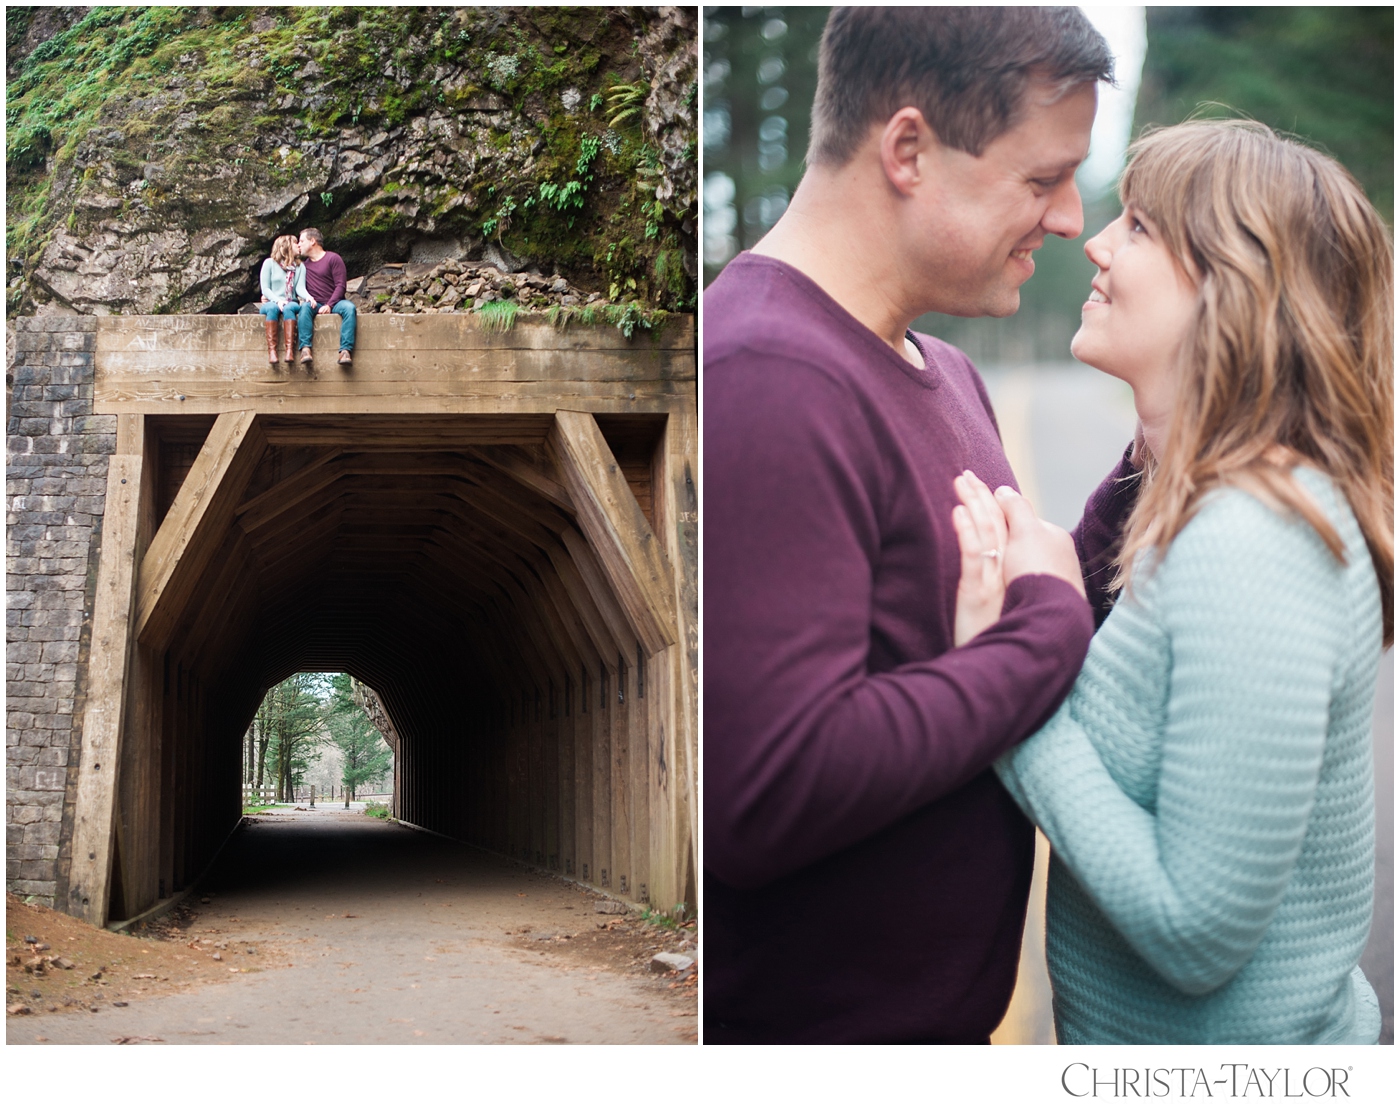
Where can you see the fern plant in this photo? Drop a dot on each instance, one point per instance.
(627, 101)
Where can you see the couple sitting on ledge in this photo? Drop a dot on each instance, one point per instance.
(301, 281)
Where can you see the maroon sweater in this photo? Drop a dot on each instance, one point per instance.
(866, 876)
(325, 278)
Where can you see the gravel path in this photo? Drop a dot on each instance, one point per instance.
(364, 931)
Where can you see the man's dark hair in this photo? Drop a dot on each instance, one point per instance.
(314, 234)
(965, 69)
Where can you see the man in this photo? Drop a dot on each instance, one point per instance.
(325, 282)
(866, 874)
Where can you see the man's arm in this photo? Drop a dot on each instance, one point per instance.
(807, 753)
(338, 277)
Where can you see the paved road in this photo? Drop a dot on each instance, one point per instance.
(1065, 425)
(392, 936)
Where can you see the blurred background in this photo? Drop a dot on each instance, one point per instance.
(1323, 74)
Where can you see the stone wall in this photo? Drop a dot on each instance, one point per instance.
(56, 481)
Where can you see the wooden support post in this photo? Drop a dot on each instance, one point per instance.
(631, 556)
(677, 516)
(193, 529)
(104, 712)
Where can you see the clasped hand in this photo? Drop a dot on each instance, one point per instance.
(1000, 539)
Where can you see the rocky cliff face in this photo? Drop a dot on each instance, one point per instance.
(153, 154)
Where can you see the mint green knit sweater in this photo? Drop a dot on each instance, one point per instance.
(1207, 791)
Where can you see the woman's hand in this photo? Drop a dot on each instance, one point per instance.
(981, 528)
(1036, 547)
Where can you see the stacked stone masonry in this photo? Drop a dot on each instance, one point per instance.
(56, 480)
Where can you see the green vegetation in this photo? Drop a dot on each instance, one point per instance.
(378, 811)
(286, 733)
(678, 915)
(364, 757)
(627, 318)
(298, 720)
(498, 316)
(1325, 75)
(561, 316)
(182, 112)
(626, 101)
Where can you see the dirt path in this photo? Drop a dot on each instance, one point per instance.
(335, 928)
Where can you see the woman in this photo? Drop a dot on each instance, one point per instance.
(1207, 787)
(283, 288)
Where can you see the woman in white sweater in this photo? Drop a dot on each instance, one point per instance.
(1207, 788)
(283, 289)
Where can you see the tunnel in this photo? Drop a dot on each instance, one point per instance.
(494, 531)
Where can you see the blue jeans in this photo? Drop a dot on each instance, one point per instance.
(306, 319)
(270, 310)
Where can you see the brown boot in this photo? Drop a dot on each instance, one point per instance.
(306, 356)
(289, 333)
(271, 341)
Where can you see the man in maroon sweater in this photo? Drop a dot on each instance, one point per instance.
(866, 876)
(325, 282)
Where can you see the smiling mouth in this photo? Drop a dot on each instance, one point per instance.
(1024, 255)
(1097, 297)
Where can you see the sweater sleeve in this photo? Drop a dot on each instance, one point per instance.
(299, 282)
(1248, 602)
(806, 752)
(338, 277)
(265, 280)
(1100, 531)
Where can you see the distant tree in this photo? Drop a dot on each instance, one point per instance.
(289, 726)
(365, 757)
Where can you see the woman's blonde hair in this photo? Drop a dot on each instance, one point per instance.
(1291, 345)
(284, 251)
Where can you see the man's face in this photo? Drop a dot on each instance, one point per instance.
(973, 227)
(305, 243)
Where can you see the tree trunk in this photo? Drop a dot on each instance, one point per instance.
(262, 755)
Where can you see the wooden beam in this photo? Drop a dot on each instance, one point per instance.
(104, 712)
(632, 558)
(192, 530)
(537, 476)
(583, 566)
(438, 363)
(301, 484)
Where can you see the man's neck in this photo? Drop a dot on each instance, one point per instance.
(316, 253)
(828, 234)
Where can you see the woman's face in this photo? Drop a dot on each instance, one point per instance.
(1138, 313)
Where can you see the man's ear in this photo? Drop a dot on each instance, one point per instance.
(906, 137)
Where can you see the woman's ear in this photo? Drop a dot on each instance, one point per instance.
(905, 138)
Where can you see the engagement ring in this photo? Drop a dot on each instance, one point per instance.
(992, 554)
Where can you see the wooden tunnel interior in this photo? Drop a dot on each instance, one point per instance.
(463, 566)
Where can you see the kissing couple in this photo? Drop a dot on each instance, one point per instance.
(300, 280)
